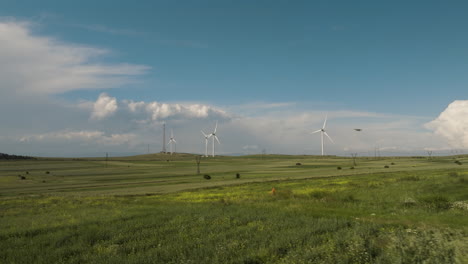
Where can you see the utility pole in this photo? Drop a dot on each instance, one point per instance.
(164, 138)
(429, 153)
(354, 155)
(198, 159)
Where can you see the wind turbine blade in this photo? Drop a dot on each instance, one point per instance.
(174, 141)
(217, 139)
(329, 137)
(316, 131)
(216, 127)
(325, 122)
(204, 133)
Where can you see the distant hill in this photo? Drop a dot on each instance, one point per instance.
(4, 156)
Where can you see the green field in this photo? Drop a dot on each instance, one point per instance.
(157, 209)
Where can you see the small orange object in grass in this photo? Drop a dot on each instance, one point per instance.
(273, 191)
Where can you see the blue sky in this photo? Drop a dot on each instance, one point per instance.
(259, 59)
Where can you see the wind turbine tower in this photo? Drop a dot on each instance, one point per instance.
(323, 132)
(206, 142)
(215, 137)
(172, 141)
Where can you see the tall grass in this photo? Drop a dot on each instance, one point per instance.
(399, 216)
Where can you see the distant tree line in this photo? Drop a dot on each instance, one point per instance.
(4, 156)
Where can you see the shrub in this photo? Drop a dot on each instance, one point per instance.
(21, 177)
(352, 168)
(437, 202)
(237, 176)
(386, 166)
(458, 162)
(206, 176)
(393, 163)
(27, 172)
(298, 164)
(338, 168)
(47, 172)
(453, 174)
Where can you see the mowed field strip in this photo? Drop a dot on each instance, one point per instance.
(168, 173)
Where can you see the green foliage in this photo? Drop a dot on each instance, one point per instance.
(158, 212)
(438, 202)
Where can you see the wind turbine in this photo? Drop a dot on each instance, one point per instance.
(206, 142)
(172, 140)
(215, 137)
(323, 132)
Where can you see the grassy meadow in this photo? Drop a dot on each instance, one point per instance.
(157, 209)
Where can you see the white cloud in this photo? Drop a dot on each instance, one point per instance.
(104, 107)
(160, 111)
(43, 65)
(452, 124)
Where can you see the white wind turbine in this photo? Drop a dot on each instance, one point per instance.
(172, 141)
(323, 132)
(215, 137)
(206, 142)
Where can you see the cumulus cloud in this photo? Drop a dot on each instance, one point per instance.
(43, 65)
(452, 124)
(161, 111)
(104, 107)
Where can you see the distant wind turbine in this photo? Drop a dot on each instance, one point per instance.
(206, 142)
(172, 141)
(215, 137)
(323, 132)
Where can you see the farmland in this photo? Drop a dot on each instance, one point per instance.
(157, 209)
